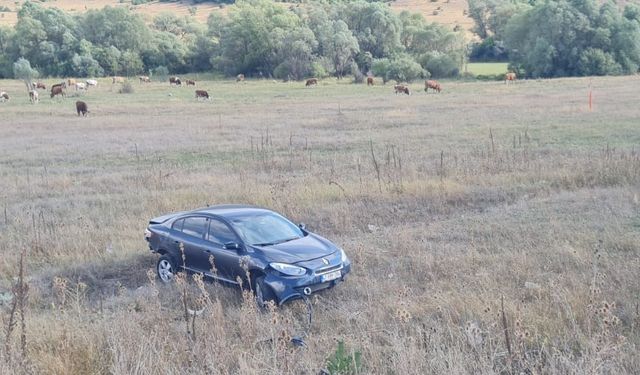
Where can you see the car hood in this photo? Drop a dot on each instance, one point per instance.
(306, 248)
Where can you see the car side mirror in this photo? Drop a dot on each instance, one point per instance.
(232, 246)
(302, 226)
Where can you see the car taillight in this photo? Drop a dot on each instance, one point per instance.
(147, 233)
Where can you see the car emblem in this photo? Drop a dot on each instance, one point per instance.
(325, 261)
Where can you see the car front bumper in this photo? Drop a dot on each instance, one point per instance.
(290, 287)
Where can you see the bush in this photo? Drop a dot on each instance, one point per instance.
(318, 70)
(342, 362)
(439, 64)
(358, 77)
(402, 68)
(127, 88)
(161, 72)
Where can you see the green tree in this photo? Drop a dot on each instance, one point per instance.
(402, 68)
(340, 47)
(559, 38)
(374, 25)
(22, 70)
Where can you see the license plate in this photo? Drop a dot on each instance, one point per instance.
(331, 276)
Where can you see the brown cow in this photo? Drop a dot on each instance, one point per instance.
(144, 79)
(57, 90)
(510, 77)
(240, 77)
(61, 84)
(431, 84)
(190, 82)
(369, 81)
(33, 96)
(81, 107)
(311, 81)
(71, 82)
(4, 97)
(202, 94)
(175, 81)
(39, 85)
(402, 89)
(117, 79)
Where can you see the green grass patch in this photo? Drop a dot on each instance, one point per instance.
(487, 68)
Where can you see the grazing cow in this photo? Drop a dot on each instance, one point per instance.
(369, 81)
(117, 79)
(40, 85)
(191, 82)
(33, 96)
(431, 84)
(202, 94)
(71, 82)
(510, 77)
(4, 97)
(175, 81)
(81, 107)
(311, 81)
(144, 79)
(81, 86)
(91, 82)
(240, 78)
(402, 89)
(61, 84)
(57, 90)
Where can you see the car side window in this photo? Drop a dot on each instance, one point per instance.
(177, 225)
(220, 233)
(195, 226)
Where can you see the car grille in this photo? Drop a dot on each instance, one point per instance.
(328, 269)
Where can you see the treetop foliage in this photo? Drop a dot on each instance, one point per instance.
(546, 38)
(256, 38)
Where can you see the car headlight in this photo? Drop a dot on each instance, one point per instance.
(288, 269)
(343, 256)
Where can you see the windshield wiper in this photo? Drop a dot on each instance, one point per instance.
(287, 240)
(264, 244)
(276, 242)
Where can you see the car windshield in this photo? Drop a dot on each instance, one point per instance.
(266, 229)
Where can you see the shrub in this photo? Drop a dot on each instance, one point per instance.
(439, 64)
(127, 88)
(402, 68)
(342, 362)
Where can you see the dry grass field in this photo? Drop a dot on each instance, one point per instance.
(147, 10)
(446, 12)
(449, 205)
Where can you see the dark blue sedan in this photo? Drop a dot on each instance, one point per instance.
(226, 242)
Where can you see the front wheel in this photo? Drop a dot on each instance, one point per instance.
(263, 292)
(166, 268)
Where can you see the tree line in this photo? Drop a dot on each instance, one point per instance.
(256, 37)
(553, 38)
(263, 38)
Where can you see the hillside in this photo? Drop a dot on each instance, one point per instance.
(149, 10)
(447, 12)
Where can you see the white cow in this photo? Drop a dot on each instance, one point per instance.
(4, 97)
(92, 82)
(33, 96)
(81, 86)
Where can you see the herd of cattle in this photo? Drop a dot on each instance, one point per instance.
(58, 89)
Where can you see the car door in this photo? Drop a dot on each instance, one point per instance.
(227, 261)
(192, 235)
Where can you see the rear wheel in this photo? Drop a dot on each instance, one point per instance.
(166, 268)
(263, 292)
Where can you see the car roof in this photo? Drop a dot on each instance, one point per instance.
(231, 210)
